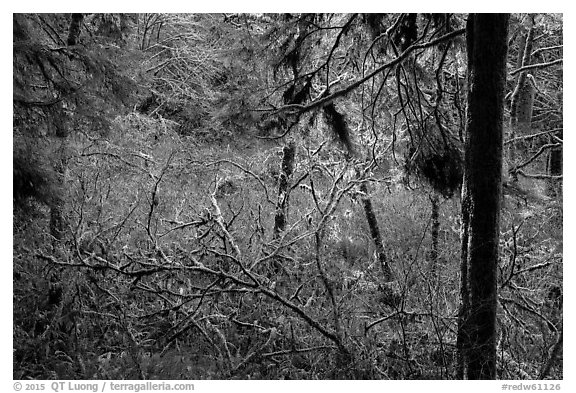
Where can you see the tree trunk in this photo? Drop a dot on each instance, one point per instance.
(434, 235)
(280, 219)
(74, 30)
(375, 233)
(522, 100)
(61, 132)
(57, 224)
(481, 195)
(342, 133)
(555, 169)
(57, 220)
(526, 87)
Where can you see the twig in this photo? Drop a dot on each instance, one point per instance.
(547, 48)
(255, 176)
(271, 337)
(535, 267)
(295, 350)
(538, 65)
(383, 319)
(532, 136)
(542, 149)
(539, 176)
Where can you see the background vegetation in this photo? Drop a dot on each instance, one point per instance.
(271, 196)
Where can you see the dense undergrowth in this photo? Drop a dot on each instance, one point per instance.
(147, 284)
(147, 243)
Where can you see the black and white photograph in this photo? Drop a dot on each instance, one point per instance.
(287, 196)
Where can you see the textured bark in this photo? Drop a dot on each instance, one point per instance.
(280, 219)
(481, 195)
(74, 30)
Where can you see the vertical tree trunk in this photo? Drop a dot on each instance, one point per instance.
(280, 219)
(481, 195)
(57, 221)
(522, 100)
(555, 169)
(341, 131)
(74, 30)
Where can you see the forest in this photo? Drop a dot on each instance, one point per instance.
(287, 196)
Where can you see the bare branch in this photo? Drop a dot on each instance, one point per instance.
(547, 48)
(296, 350)
(539, 176)
(535, 66)
(532, 136)
(255, 176)
(542, 149)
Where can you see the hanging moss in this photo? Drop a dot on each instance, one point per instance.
(407, 32)
(374, 24)
(437, 161)
(301, 95)
(337, 122)
(293, 96)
